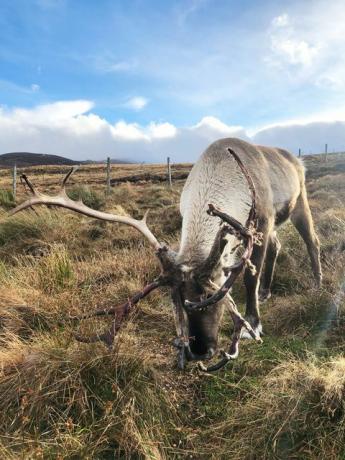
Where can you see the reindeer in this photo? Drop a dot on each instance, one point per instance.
(236, 194)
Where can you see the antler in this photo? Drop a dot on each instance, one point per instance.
(235, 227)
(247, 234)
(239, 323)
(120, 312)
(252, 213)
(62, 200)
(206, 269)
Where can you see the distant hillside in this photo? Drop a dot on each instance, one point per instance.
(23, 159)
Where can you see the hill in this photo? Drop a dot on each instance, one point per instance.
(26, 159)
(22, 159)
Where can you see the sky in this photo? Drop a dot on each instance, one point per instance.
(143, 80)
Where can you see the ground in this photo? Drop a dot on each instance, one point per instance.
(60, 399)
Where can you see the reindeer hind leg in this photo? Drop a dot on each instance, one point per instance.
(273, 248)
(302, 219)
(251, 281)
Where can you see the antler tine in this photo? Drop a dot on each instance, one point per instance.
(120, 313)
(215, 252)
(62, 200)
(68, 175)
(24, 178)
(239, 323)
(252, 212)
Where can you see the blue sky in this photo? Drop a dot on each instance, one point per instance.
(82, 77)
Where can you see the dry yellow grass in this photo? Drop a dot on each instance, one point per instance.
(66, 400)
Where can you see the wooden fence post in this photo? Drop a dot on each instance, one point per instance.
(299, 153)
(169, 172)
(14, 182)
(108, 176)
(326, 151)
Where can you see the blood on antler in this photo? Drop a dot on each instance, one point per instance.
(120, 313)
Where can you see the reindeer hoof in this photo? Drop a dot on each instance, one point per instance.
(264, 294)
(318, 281)
(257, 330)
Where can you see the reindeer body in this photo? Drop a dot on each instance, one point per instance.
(216, 178)
(231, 183)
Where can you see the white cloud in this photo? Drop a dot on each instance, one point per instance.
(294, 51)
(110, 64)
(120, 66)
(136, 103)
(303, 48)
(310, 137)
(281, 21)
(328, 116)
(35, 88)
(288, 46)
(310, 133)
(128, 131)
(51, 114)
(162, 130)
(70, 128)
(210, 124)
(9, 86)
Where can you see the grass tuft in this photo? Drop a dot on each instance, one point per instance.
(88, 196)
(7, 199)
(55, 271)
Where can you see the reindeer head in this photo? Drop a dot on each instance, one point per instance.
(198, 302)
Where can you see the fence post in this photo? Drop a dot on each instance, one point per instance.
(14, 182)
(108, 176)
(299, 153)
(326, 151)
(169, 172)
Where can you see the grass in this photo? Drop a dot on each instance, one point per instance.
(88, 196)
(60, 399)
(6, 199)
(295, 411)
